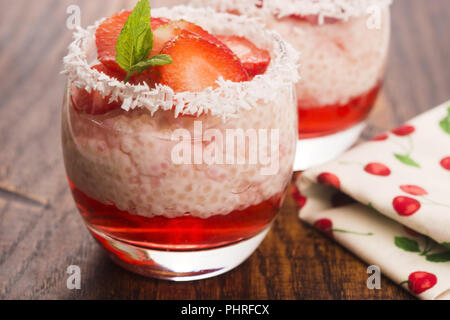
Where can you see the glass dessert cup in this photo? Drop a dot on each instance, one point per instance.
(158, 211)
(343, 59)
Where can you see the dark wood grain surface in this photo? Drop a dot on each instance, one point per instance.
(38, 242)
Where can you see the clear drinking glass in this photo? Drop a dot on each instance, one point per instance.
(183, 196)
(343, 47)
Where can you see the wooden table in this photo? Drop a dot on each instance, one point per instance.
(37, 243)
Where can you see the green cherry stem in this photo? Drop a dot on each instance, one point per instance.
(411, 145)
(348, 163)
(407, 151)
(353, 232)
(432, 202)
(404, 282)
(427, 248)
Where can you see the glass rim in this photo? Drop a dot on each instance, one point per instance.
(226, 101)
(341, 10)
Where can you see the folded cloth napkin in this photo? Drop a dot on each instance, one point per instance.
(388, 201)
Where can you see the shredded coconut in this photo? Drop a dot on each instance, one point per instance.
(339, 9)
(226, 101)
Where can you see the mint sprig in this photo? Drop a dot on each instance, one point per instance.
(135, 43)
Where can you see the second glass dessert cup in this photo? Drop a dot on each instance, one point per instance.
(343, 64)
(343, 46)
(182, 186)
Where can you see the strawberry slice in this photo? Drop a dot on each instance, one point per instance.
(194, 28)
(198, 64)
(167, 32)
(157, 22)
(106, 39)
(93, 103)
(107, 34)
(254, 59)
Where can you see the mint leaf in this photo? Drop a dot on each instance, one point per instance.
(135, 42)
(406, 159)
(445, 123)
(407, 244)
(135, 39)
(439, 257)
(158, 60)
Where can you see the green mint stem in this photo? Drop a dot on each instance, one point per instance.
(127, 78)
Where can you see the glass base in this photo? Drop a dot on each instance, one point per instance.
(315, 151)
(178, 265)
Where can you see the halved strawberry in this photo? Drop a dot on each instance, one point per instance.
(93, 102)
(106, 39)
(157, 22)
(167, 32)
(194, 28)
(198, 64)
(254, 59)
(111, 73)
(162, 35)
(107, 34)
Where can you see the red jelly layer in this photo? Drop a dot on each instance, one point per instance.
(324, 120)
(182, 233)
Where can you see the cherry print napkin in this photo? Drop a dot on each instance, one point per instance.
(388, 201)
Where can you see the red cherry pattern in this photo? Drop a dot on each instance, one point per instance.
(405, 206)
(325, 225)
(445, 163)
(377, 169)
(300, 200)
(329, 179)
(381, 137)
(413, 190)
(421, 281)
(403, 130)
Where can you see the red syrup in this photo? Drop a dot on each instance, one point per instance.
(181, 233)
(325, 120)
